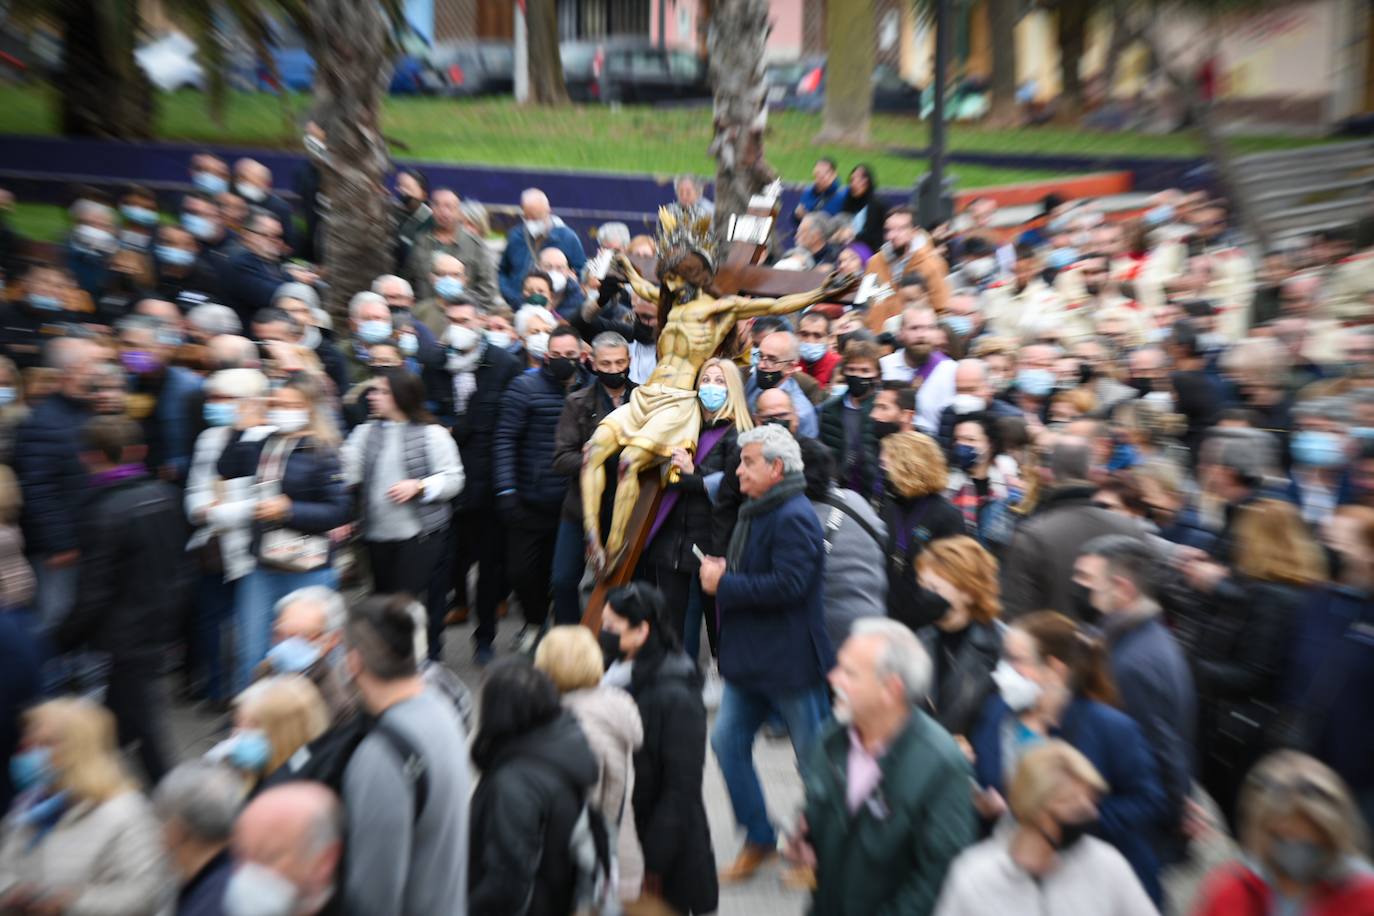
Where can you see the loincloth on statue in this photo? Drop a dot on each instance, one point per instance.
(657, 419)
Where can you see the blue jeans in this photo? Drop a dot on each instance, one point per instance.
(214, 606)
(569, 562)
(741, 714)
(254, 603)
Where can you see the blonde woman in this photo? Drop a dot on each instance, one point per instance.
(284, 458)
(80, 837)
(966, 641)
(1304, 844)
(1042, 860)
(16, 575)
(13, 409)
(916, 512)
(273, 719)
(1245, 625)
(573, 660)
(699, 507)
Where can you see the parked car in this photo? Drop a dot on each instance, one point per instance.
(800, 84)
(415, 72)
(632, 69)
(471, 68)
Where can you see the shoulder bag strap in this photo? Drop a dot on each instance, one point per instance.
(834, 501)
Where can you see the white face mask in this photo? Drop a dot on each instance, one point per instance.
(256, 890)
(559, 280)
(537, 345)
(250, 192)
(461, 338)
(968, 403)
(498, 339)
(311, 337)
(288, 420)
(96, 239)
(1018, 691)
(537, 227)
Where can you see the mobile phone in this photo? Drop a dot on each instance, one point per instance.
(697, 550)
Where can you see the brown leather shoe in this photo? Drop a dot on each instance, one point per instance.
(456, 616)
(799, 878)
(750, 859)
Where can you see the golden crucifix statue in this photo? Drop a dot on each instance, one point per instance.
(663, 413)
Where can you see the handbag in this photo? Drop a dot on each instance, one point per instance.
(281, 548)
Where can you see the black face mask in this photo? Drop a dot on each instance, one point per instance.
(860, 388)
(884, 428)
(784, 422)
(562, 368)
(644, 333)
(1070, 833)
(612, 380)
(610, 647)
(1093, 288)
(767, 378)
(1143, 386)
(1082, 599)
(1085, 373)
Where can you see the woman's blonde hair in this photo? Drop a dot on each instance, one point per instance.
(1272, 544)
(571, 657)
(85, 754)
(966, 565)
(1080, 400)
(322, 427)
(1288, 783)
(915, 464)
(289, 710)
(1042, 771)
(736, 406)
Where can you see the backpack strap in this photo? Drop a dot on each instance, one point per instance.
(837, 503)
(413, 765)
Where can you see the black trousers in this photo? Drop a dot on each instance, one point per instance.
(529, 559)
(134, 697)
(479, 536)
(676, 585)
(412, 566)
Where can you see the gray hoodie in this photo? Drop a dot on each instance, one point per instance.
(855, 566)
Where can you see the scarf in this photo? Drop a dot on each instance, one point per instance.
(791, 485)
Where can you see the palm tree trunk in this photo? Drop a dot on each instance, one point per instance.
(1002, 111)
(352, 47)
(735, 48)
(1073, 37)
(848, 72)
(546, 65)
(102, 91)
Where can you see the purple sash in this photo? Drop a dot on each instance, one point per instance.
(705, 442)
(932, 361)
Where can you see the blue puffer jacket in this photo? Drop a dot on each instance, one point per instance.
(312, 480)
(522, 456)
(772, 616)
(51, 477)
(519, 256)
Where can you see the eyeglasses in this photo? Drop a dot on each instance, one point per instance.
(1300, 786)
(774, 362)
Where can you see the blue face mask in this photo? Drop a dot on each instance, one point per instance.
(8, 394)
(1035, 382)
(1060, 258)
(1318, 450)
(965, 456)
(293, 656)
(202, 227)
(374, 331)
(448, 288)
(31, 769)
(251, 751)
(139, 216)
(755, 355)
(959, 324)
(1160, 215)
(221, 413)
(812, 351)
(1363, 433)
(209, 182)
(45, 303)
(176, 257)
(712, 397)
(409, 344)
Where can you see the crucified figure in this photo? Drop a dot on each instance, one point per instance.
(662, 414)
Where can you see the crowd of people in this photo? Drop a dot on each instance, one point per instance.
(1052, 555)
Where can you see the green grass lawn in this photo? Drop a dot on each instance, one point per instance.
(629, 139)
(41, 222)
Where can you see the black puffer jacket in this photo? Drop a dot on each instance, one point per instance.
(670, 817)
(475, 429)
(51, 477)
(582, 411)
(133, 572)
(865, 477)
(694, 519)
(532, 791)
(963, 669)
(525, 435)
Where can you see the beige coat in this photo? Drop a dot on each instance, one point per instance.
(610, 720)
(110, 854)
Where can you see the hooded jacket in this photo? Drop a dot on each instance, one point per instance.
(532, 791)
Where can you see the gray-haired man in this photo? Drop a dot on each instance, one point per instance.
(774, 651)
(197, 803)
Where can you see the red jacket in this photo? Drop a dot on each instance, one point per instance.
(1235, 890)
(823, 368)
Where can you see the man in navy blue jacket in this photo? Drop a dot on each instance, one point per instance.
(538, 230)
(529, 494)
(774, 651)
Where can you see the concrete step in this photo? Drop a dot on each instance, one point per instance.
(1331, 152)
